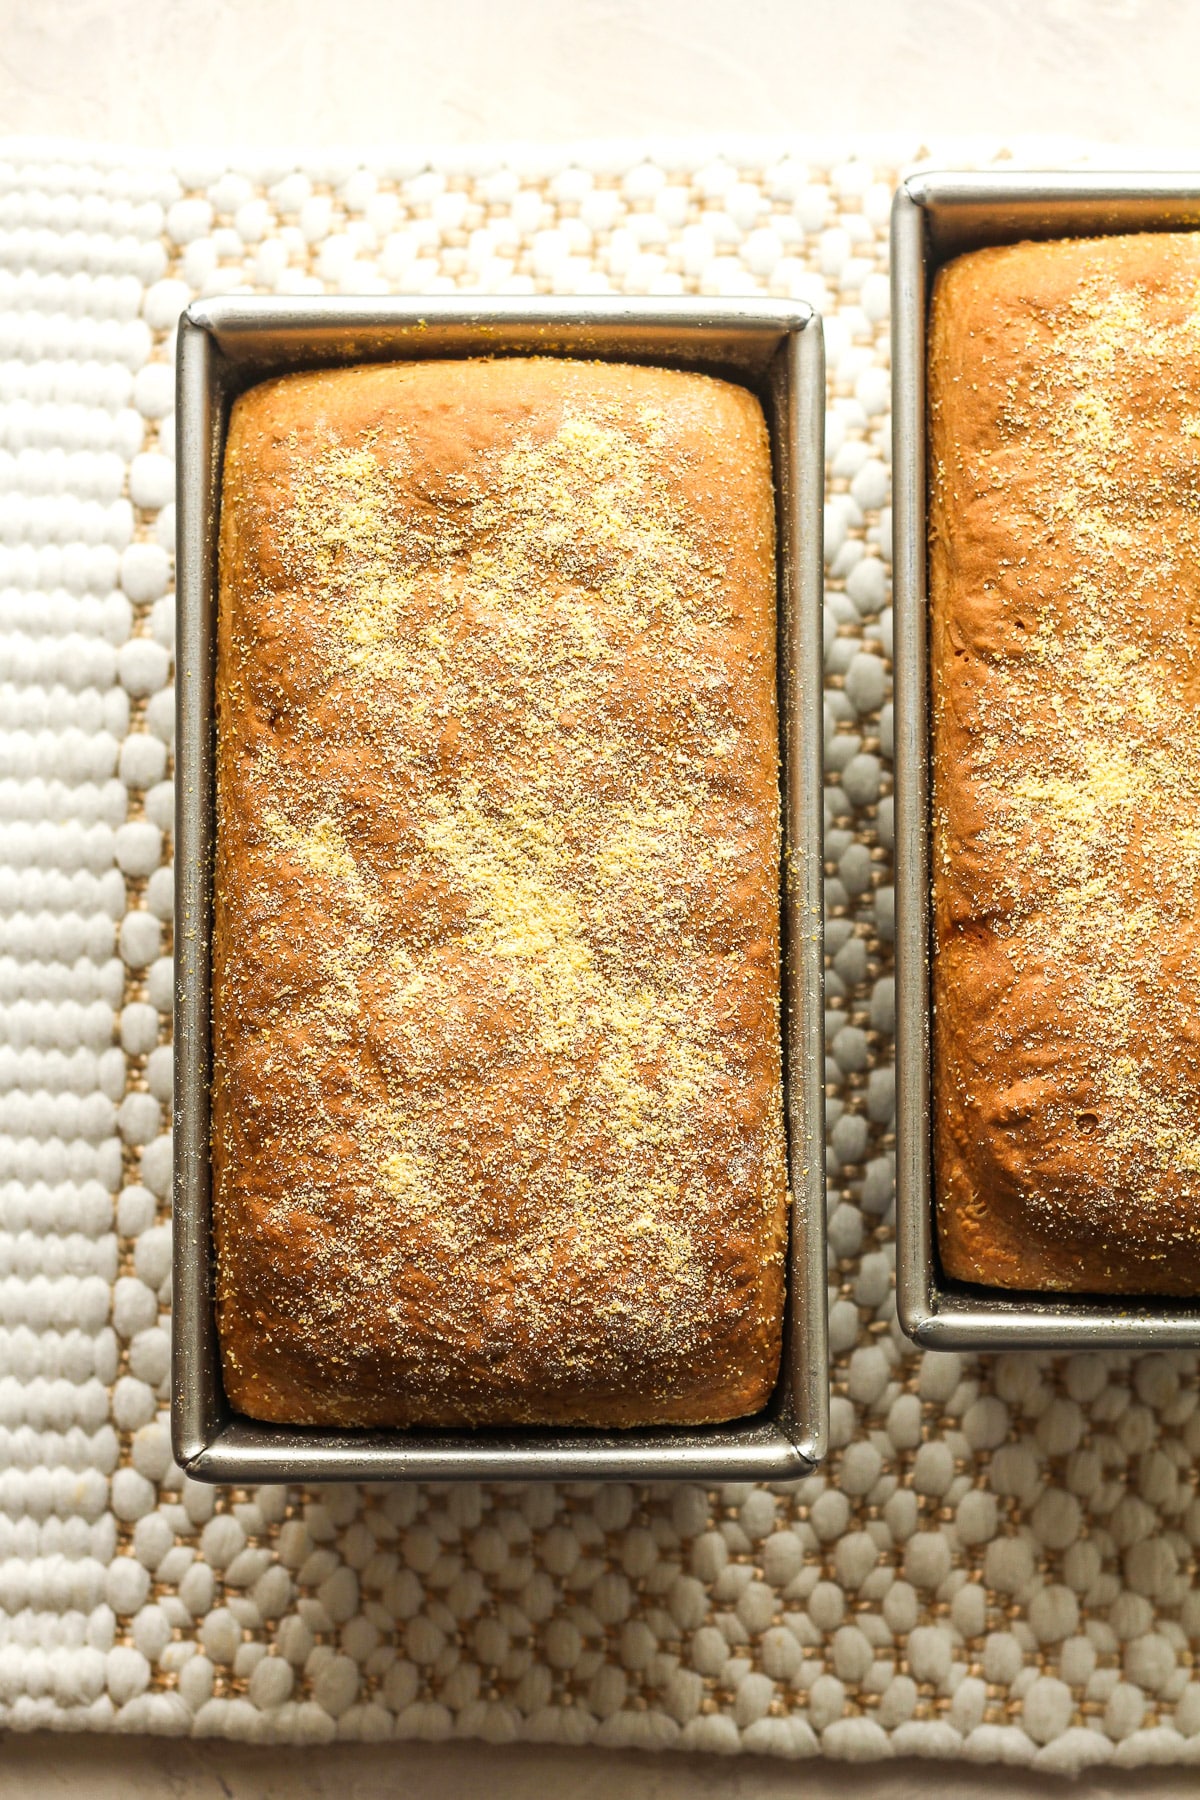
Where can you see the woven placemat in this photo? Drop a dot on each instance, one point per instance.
(998, 1559)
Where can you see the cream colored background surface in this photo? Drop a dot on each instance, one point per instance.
(104, 1769)
(326, 71)
(314, 72)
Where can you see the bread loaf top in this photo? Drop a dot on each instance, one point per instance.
(1065, 594)
(497, 1115)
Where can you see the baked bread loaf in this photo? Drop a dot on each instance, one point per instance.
(497, 1122)
(1064, 394)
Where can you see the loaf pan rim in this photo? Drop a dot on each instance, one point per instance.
(932, 205)
(213, 360)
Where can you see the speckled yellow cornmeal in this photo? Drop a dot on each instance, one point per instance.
(1065, 591)
(497, 1116)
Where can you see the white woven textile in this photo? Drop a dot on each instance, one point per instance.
(998, 1560)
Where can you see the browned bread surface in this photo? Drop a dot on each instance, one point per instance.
(1064, 383)
(497, 1120)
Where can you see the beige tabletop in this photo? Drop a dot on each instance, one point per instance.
(309, 72)
(45, 1768)
(318, 72)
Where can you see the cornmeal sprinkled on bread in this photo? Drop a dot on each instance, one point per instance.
(1064, 384)
(498, 1130)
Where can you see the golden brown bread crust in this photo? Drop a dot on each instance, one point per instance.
(1064, 383)
(497, 1123)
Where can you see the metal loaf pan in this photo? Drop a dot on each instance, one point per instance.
(775, 347)
(936, 217)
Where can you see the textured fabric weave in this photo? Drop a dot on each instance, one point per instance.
(998, 1560)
